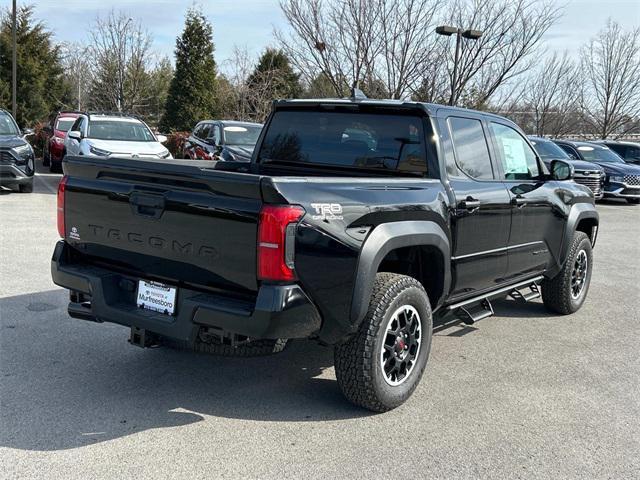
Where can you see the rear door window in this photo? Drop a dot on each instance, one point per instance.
(471, 148)
(391, 142)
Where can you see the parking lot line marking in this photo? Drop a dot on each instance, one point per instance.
(45, 183)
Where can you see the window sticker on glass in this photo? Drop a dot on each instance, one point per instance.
(514, 154)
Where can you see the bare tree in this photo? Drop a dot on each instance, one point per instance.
(78, 73)
(379, 45)
(120, 53)
(232, 86)
(512, 32)
(552, 95)
(611, 94)
(390, 47)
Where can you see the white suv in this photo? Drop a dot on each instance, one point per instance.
(114, 135)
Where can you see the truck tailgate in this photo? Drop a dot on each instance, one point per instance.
(176, 221)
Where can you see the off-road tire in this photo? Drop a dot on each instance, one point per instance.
(357, 361)
(255, 348)
(26, 187)
(556, 291)
(633, 201)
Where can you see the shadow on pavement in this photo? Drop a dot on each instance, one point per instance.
(507, 307)
(66, 383)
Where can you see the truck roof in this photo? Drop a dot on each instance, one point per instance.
(429, 108)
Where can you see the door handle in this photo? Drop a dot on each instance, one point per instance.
(470, 203)
(519, 201)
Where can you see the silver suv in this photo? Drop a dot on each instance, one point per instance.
(114, 135)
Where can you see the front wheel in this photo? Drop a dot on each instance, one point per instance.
(566, 292)
(382, 364)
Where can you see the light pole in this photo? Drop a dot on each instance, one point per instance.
(14, 69)
(459, 33)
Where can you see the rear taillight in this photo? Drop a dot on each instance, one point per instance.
(62, 186)
(276, 240)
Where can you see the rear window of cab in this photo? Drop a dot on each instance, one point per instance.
(390, 142)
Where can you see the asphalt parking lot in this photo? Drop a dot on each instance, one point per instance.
(524, 394)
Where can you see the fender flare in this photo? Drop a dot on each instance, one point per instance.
(578, 212)
(385, 238)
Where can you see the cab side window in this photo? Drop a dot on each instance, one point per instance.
(216, 135)
(518, 159)
(82, 126)
(570, 151)
(204, 131)
(76, 125)
(471, 148)
(632, 153)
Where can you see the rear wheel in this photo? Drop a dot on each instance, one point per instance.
(382, 364)
(566, 292)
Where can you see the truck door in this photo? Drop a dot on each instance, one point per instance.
(536, 230)
(480, 220)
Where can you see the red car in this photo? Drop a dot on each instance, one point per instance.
(57, 131)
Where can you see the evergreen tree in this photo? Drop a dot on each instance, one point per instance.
(320, 87)
(272, 78)
(274, 74)
(192, 91)
(40, 85)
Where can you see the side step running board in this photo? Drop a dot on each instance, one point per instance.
(475, 309)
(532, 294)
(474, 313)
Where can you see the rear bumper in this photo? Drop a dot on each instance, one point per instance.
(279, 311)
(13, 175)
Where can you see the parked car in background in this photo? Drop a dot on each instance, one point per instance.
(56, 133)
(17, 161)
(114, 135)
(629, 151)
(622, 179)
(586, 173)
(222, 140)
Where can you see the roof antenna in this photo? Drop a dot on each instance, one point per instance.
(356, 93)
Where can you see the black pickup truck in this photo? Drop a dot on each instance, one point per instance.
(357, 223)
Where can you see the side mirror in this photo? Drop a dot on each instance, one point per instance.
(161, 138)
(75, 134)
(27, 132)
(561, 170)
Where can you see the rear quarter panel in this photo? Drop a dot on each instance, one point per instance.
(340, 215)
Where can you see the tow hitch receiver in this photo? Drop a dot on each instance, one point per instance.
(143, 339)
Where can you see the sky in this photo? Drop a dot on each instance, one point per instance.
(250, 23)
